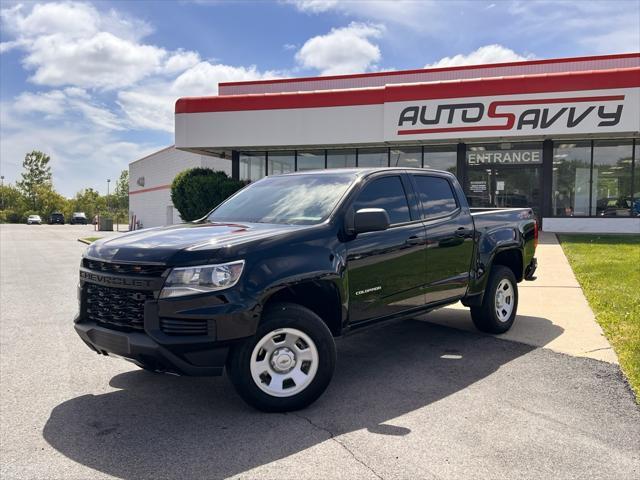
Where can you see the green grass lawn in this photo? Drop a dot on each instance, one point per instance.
(608, 269)
(89, 240)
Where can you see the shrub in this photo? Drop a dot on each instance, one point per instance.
(196, 191)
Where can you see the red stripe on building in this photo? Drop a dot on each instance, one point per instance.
(150, 189)
(556, 82)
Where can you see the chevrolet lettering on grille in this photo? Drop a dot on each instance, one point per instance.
(118, 281)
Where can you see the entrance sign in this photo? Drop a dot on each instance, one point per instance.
(504, 157)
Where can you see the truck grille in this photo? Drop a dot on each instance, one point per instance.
(176, 326)
(124, 268)
(116, 307)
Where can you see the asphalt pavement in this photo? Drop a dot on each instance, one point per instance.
(410, 400)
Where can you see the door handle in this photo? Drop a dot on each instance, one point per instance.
(463, 232)
(414, 240)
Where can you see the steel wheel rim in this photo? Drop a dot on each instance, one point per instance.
(284, 362)
(504, 300)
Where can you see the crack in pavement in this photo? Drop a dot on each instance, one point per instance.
(332, 437)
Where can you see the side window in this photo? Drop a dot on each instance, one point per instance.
(436, 195)
(387, 193)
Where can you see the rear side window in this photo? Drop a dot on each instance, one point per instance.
(387, 193)
(436, 196)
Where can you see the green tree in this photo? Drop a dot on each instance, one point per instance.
(121, 193)
(195, 191)
(50, 201)
(13, 205)
(89, 201)
(37, 174)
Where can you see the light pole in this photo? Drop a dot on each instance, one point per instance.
(108, 182)
(2, 190)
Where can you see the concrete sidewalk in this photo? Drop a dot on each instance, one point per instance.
(552, 311)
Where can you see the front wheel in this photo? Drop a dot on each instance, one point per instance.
(288, 364)
(499, 304)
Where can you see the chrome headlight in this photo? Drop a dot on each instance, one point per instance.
(201, 279)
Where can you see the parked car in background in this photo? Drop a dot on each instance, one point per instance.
(34, 220)
(261, 285)
(78, 218)
(56, 217)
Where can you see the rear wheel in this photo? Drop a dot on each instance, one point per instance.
(288, 364)
(500, 302)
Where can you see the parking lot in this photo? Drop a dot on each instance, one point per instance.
(409, 400)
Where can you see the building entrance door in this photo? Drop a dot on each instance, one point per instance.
(505, 187)
(500, 178)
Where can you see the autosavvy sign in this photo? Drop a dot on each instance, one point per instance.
(597, 111)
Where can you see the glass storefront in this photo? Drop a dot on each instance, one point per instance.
(635, 210)
(406, 157)
(505, 175)
(570, 179)
(586, 178)
(310, 159)
(281, 162)
(373, 157)
(341, 158)
(252, 165)
(611, 178)
(593, 178)
(441, 157)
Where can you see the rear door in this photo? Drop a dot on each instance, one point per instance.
(449, 229)
(386, 269)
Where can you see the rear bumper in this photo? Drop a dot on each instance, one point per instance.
(138, 347)
(529, 272)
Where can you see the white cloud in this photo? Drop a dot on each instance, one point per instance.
(408, 13)
(83, 154)
(342, 50)
(55, 104)
(71, 43)
(152, 105)
(314, 6)
(487, 54)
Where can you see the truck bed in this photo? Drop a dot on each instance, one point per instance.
(489, 218)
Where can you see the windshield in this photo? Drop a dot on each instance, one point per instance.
(290, 199)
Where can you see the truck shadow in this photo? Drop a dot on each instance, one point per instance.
(160, 426)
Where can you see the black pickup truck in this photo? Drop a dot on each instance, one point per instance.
(263, 284)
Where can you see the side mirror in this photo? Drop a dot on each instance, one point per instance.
(370, 220)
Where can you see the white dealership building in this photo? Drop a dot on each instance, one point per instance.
(560, 135)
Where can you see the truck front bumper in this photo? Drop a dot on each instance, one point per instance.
(189, 359)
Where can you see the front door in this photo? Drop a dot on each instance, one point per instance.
(505, 187)
(386, 269)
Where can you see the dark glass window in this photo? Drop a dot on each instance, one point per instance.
(281, 162)
(387, 193)
(611, 178)
(636, 181)
(441, 157)
(406, 157)
(311, 160)
(436, 196)
(373, 157)
(252, 165)
(341, 158)
(570, 179)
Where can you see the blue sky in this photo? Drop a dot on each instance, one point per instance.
(93, 83)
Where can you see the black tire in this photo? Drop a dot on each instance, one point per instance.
(485, 317)
(279, 316)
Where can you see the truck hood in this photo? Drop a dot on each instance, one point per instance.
(186, 242)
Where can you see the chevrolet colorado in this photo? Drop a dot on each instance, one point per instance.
(263, 284)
